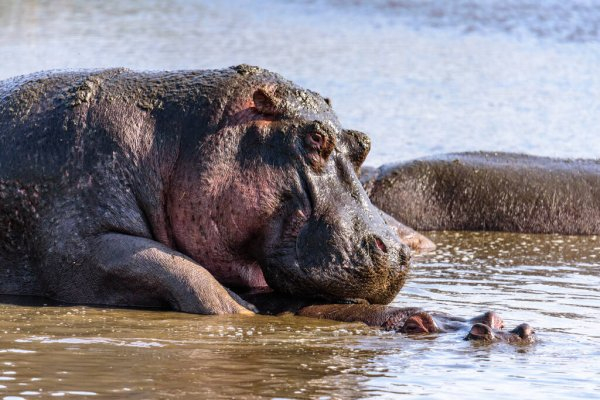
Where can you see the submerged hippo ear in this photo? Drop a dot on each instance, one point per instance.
(358, 145)
(265, 103)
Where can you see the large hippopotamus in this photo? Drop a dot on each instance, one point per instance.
(172, 189)
(490, 191)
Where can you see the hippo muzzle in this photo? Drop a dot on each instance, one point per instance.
(338, 246)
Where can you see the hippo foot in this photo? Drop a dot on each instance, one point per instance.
(522, 334)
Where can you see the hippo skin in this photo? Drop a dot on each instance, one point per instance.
(490, 191)
(171, 189)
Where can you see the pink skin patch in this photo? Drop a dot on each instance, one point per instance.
(248, 115)
(380, 245)
(215, 213)
(260, 110)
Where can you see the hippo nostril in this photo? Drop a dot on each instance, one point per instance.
(380, 245)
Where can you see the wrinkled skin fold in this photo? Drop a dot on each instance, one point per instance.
(167, 189)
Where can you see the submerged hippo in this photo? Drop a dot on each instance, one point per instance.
(522, 334)
(486, 327)
(165, 189)
(490, 191)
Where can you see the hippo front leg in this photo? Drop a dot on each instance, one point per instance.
(125, 270)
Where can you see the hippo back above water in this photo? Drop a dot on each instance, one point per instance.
(491, 191)
(162, 189)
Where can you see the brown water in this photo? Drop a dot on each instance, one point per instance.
(550, 281)
(421, 76)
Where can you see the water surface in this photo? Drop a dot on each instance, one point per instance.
(550, 281)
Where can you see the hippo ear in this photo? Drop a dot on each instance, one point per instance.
(265, 103)
(358, 145)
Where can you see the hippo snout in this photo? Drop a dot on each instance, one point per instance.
(401, 255)
(389, 261)
(522, 334)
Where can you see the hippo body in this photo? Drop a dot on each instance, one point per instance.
(490, 191)
(164, 188)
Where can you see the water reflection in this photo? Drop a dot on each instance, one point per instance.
(109, 351)
(549, 280)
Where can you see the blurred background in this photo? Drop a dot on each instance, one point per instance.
(420, 76)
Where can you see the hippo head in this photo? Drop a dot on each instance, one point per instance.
(271, 196)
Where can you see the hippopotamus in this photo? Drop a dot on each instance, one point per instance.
(179, 189)
(486, 327)
(522, 334)
(490, 191)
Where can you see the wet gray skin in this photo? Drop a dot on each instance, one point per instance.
(410, 320)
(162, 189)
(490, 191)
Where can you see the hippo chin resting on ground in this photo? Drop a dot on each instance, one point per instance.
(490, 191)
(162, 189)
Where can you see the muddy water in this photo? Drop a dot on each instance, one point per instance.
(550, 281)
(421, 77)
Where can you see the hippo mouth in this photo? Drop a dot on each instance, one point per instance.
(291, 274)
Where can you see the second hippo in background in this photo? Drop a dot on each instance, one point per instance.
(490, 191)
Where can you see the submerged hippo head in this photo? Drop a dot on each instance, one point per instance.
(522, 334)
(270, 195)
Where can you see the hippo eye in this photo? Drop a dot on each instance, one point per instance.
(319, 147)
(315, 140)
